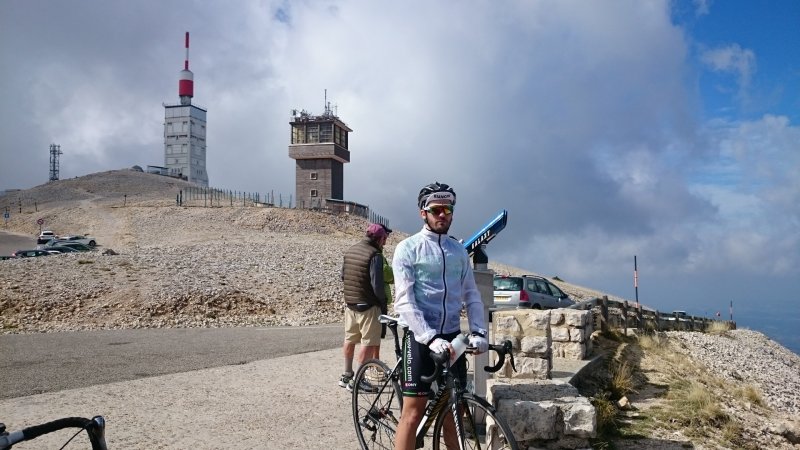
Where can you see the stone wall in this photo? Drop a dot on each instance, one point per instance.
(571, 332)
(539, 336)
(529, 333)
(540, 411)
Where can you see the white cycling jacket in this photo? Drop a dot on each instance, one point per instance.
(433, 280)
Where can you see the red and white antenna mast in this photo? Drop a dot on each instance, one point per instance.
(186, 81)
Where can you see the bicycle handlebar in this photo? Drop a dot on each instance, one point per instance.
(95, 428)
(440, 359)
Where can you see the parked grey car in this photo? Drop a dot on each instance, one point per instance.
(29, 253)
(528, 291)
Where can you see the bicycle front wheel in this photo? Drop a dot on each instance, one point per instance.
(376, 405)
(480, 427)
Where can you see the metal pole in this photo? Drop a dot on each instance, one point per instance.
(636, 279)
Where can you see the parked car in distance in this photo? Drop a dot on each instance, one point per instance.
(85, 240)
(73, 245)
(29, 253)
(45, 236)
(528, 291)
(60, 249)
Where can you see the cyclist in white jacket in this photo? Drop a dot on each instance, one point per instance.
(433, 281)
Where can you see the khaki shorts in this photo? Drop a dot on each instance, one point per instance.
(362, 327)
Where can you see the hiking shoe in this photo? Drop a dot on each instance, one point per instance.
(345, 380)
(363, 385)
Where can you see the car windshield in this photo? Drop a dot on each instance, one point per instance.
(508, 284)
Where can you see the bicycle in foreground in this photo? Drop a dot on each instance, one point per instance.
(94, 427)
(377, 404)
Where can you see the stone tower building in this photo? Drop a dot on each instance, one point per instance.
(319, 146)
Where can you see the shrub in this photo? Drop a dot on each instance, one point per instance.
(606, 413)
(749, 393)
(621, 379)
(694, 405)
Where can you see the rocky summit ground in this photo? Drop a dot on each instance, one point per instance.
(234, 264)
(176, 266)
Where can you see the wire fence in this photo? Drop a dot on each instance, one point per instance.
(208, 197)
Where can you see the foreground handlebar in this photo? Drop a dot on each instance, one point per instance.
(95, 428)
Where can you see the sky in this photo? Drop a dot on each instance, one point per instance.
(665, 130)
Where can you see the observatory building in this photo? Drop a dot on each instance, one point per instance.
(319, 146)
(185, 132)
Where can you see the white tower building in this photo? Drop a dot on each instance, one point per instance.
(185, 132)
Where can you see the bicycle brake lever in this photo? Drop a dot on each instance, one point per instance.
(507, 349)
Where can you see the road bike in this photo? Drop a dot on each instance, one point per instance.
(94, 427)
(377, 404)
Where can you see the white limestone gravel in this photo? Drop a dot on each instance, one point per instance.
(746, 356)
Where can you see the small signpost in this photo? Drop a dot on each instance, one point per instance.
(6, 216)
(40, 222)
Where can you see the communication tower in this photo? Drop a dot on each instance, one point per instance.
(320, 146)
(185, 132)
(55, 151)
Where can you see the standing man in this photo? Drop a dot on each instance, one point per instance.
(365, 298)
(388, 280)
(433, 279)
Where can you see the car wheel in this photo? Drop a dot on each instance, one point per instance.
(537, 306)
(92, 243)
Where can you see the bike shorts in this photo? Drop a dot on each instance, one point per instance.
(417, 362)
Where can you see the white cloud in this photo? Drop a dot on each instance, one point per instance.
(702, 7)
(741, 62)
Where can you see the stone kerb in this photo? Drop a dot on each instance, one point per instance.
(529, 332)
(543, 413)
(571, 332)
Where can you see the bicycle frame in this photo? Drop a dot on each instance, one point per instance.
(449, 401)
(446, 396)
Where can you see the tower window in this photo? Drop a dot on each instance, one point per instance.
(312, 134)
(326, 132)
(314, 193)
(313, 175)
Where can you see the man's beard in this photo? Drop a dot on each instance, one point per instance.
(432, 226)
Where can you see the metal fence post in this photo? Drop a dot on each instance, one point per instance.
(625, 317)
(604, 314)
(640, 324)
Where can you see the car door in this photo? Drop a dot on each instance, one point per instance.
(536, 293)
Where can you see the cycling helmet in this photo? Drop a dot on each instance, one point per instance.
(435, 191)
